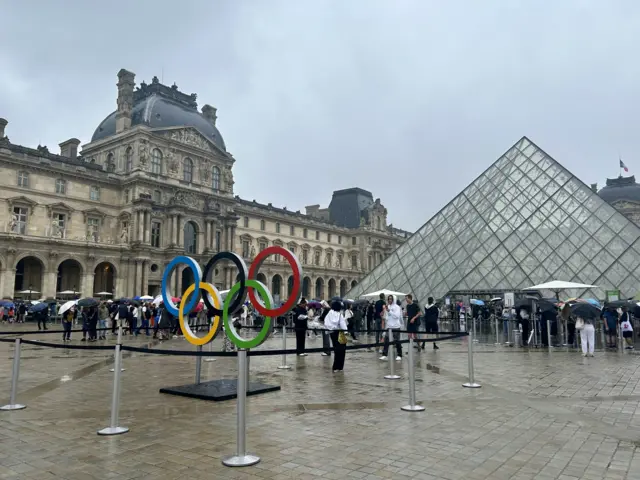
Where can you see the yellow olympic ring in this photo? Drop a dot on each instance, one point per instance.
(189, 335)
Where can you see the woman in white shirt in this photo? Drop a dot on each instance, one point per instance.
(393, 322)
(334, 322)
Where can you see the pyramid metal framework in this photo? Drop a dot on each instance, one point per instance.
(526, 220)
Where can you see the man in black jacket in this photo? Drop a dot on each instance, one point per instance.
(431, 314)
(300, 318)
(377, 317)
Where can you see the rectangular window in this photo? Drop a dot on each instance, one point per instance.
(305, 256)
(23, 179)
(126, 196)
(155, 234)
(58, 225)
(305, 233)
(277, 227)
(18, 223)
(93, 228)
(292, 230)
(292, 250)
(354, 241)
(263, 225)
(339, 261)
(94, 194)
(329, 259)
(263, 246)
(316, 259)
(317, 235)
(354, 261)
(329, 237)
(245, 249)
(340, 239)
(61, 186)
(157, 196)
(218, 240)
(246, 222)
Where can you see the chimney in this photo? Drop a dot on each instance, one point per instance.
(126, 82)
(69, 148)
(594, 187)
(209, 113)
(3, 123)
(313, 210)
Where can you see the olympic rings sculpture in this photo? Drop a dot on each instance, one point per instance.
(236, 297)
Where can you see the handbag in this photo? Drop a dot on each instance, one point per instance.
(342, 338)
(579, 324)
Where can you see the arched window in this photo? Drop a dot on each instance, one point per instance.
(215, 179)
(156, 161)
(190, 238)
(128, 160)
(187, 170)
(111, 163)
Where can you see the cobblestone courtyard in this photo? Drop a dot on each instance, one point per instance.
(540, 415)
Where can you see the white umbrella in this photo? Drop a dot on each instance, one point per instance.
(67, 292)
(146, 297)
(385, 292)
(99, 294)
(158, 300)
(557, 285)
(66, 306)
(23, 292)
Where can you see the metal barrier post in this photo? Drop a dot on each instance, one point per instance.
(119, 341)
(210, 359)
(241, 458)
(198, 364)
(548, 333)
(284, 365)
(474, 329)
(497, 330)
(391, 355)
(114, 428)
(14, 381)
(471, 383)
(412, 407)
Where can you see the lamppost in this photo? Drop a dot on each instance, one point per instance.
(30, 289)
(74, 292)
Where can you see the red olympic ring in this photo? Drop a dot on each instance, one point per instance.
(297, 281)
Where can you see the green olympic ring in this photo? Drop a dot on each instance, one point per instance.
(230, 330)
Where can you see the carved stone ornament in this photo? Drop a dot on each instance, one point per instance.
(190, 137)
(212, 204)
(187, 199)
(227, 178)
(172, 162)
(205, 171)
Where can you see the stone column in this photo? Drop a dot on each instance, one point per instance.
(233, 238)
(147, 227)
(49, 287)
(207, 231)
(145, 277)
(181, 231)
(86, 288)
(138, 278)
(140, 216)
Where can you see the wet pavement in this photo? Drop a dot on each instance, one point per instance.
(539, 415)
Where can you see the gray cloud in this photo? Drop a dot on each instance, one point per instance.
(409, 99)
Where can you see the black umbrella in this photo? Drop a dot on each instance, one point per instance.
(523, 303)
(38, 307)
(87, 302)
(585, 310)
(547, 305)
(618, 304)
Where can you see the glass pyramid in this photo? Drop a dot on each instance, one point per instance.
(526, 220)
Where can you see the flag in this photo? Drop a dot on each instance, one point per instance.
(623, 166)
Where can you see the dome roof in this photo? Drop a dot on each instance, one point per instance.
(158, 106)
(621, 188)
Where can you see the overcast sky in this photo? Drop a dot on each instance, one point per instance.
(408, 99)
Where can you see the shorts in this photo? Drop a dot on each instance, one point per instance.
(627, 334)
(431, 327)
(413, 327)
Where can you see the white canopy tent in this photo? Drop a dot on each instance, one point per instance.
(385, 292)
(557, 285)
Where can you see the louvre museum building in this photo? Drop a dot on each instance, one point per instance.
(525, 221)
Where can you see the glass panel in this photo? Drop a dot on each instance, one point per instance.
(578, 236)
(628, 287)
(617, 222)
(604, 235)
(602, 261)
(605, 212)
(629, 233)
(591, 248)
(588, 274)
(592, 224)
(617, 246)
(578, 261)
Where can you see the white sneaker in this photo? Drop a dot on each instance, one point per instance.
(584, 354)
(384, 357)
(325, 354)
(398, 359)
(591, 354)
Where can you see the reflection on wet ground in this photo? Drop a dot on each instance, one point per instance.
(540, 414)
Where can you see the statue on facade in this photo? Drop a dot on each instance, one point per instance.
(172, 162)
(56, 229)
(338, 262)
(13, 224)
(205, 171)
(227, 178)
(124, 234)
(143, 154)
(253, 252)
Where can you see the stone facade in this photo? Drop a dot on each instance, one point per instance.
(111, 219)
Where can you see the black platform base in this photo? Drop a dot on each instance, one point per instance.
(218, 390)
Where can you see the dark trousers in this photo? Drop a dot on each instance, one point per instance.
(339, 350)
(93, 329)
(144, 324)
(42, 320)
(525, 331)
(85, 329)
(326, 342)
(114, 324)
(301, 336)
(395, 332)
(377, 322)
(351, 326)
(369, 324)
(571, 333)
(133, 323)
(66, 326)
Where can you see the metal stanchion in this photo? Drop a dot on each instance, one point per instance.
(114, 428)
(474, 329)
(566, 332)
(284, 365)
(471, 383)
(119, 341)
(210, 359)
(549, 333)
(497, 331)
(392, 358)
(241, 458)
(412, 407)
(198, 364)
(14, 381)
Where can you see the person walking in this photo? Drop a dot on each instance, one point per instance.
(326, 334)
(335, 323)
(378, 310)
(349, 317)
(523, 319)
(610, 320)
(300, 317)
(413, 318)
(431, 316)
(587, 335)
(92, 323)
(393, 322)
(42, 317)
(103, 315)
(627, 333)
(67, 321)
